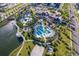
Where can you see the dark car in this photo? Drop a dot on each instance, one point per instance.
(73, 28)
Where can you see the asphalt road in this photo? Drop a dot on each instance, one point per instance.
(76, 35)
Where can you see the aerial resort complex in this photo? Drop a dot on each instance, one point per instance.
(39, 29)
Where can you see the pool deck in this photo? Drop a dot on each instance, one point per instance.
(37, 51)
(40, 33)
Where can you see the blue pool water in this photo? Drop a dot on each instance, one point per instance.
(40, 31)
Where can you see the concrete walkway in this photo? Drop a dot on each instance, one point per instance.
(37, 51)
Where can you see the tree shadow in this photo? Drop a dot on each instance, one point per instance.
(73, 42)
(71, 39)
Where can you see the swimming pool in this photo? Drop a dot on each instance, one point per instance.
(41, 31)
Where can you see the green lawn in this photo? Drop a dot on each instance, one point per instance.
(4, 22)
(63, 47)
(65, 11)
(14, 52)
(64, 43)
(28, 46)
(77, 15)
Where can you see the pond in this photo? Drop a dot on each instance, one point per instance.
(8, 39)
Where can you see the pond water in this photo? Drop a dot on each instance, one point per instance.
(8, 39)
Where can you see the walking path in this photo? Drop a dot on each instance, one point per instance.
(19, 34)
